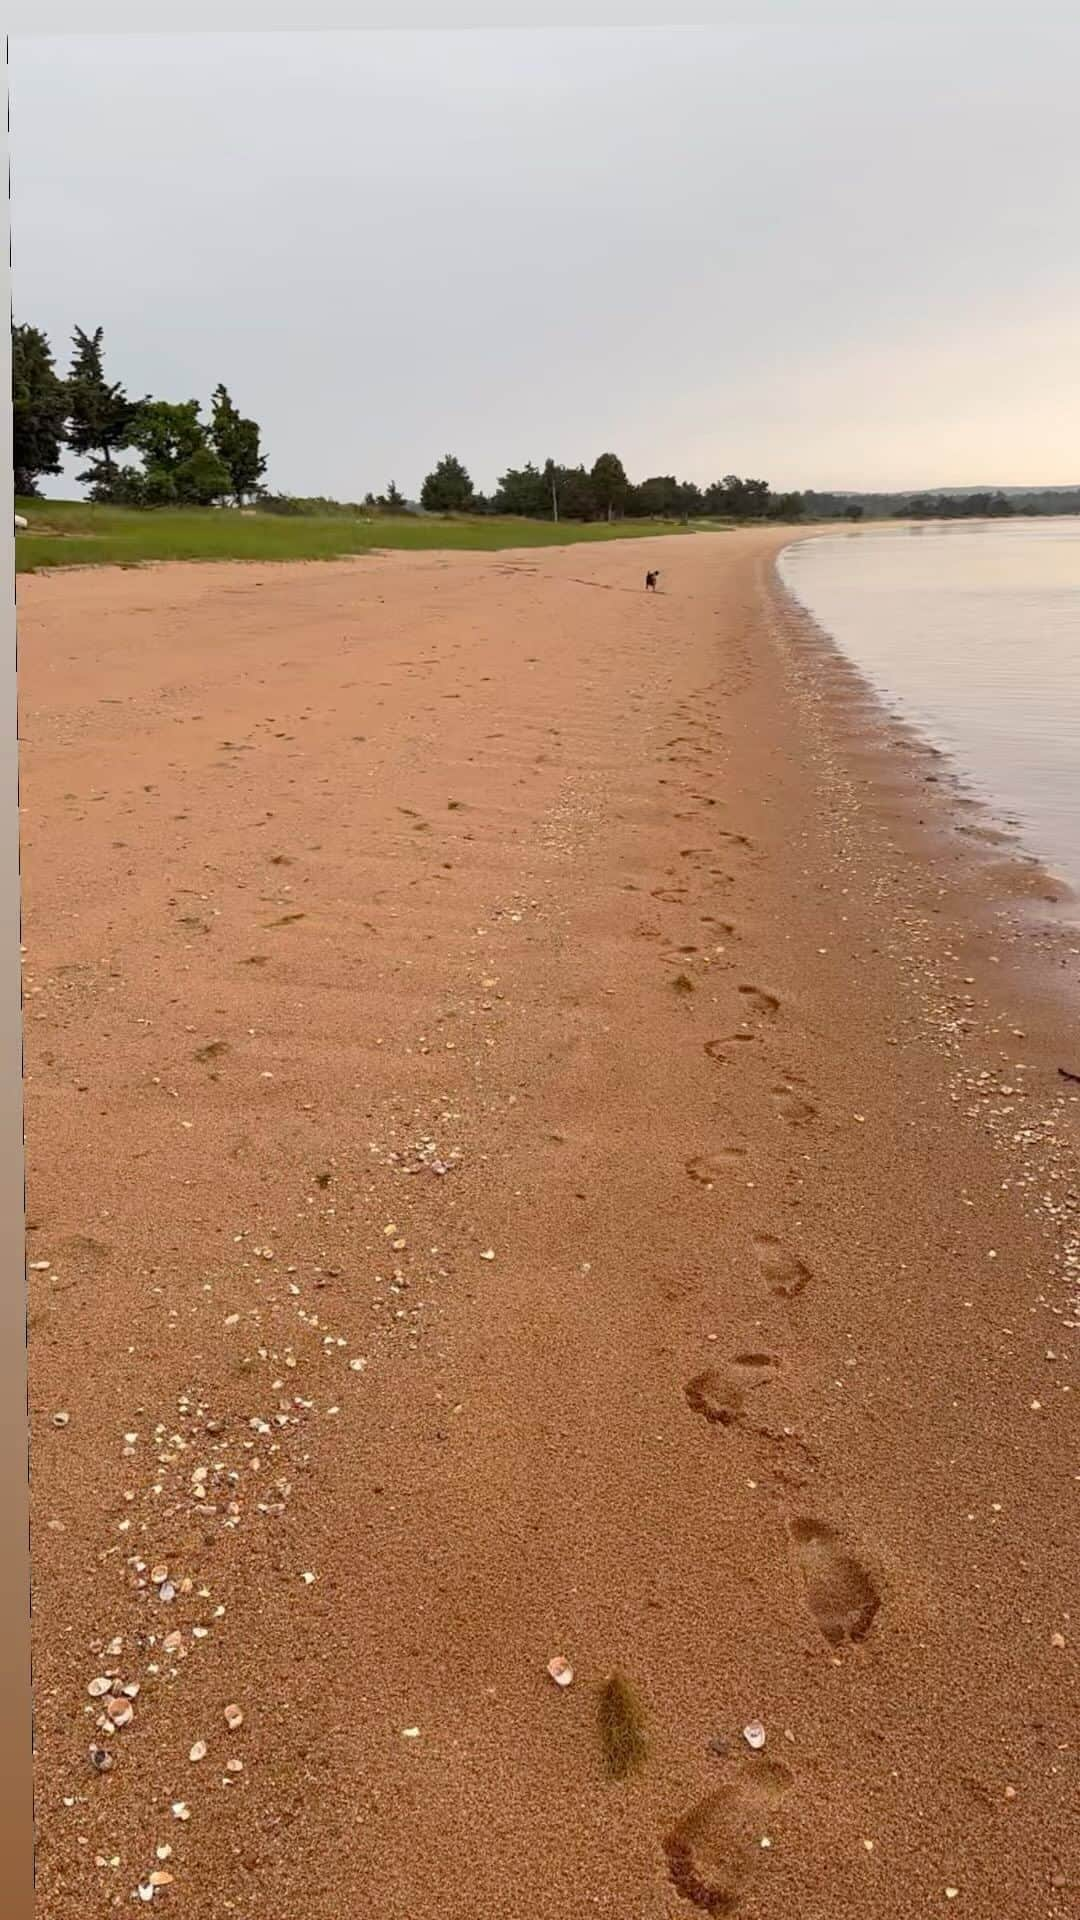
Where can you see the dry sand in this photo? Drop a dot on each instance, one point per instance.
(557, 1001)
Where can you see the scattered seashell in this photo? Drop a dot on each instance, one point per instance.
(410, 1733)
(61, 1419)
(754, 1735)
(181, 1810)
(233, 1718)
(99, 1687)
(198, 1751)
(560, 1670)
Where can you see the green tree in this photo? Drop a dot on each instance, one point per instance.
(610, 484)
(448, 489)
(236, 444)
(202, 479)
(655, 498)
(393, 499)
(577, 495)
(524, 490)
(786, 507)
(100, 415)
(167, 433)
(39, 408)
(738, 499)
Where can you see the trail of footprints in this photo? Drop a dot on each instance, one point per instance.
(711, 1850)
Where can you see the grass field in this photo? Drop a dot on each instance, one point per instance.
(71, 534)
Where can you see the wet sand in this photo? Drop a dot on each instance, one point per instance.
(531, 1134)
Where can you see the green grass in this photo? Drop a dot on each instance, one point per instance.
(65, 533)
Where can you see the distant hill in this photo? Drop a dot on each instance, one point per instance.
(944, 502)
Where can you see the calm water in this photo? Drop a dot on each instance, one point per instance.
(971, 632)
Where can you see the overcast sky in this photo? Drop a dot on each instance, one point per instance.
(825, 256)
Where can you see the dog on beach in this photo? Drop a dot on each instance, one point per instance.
(651, 580)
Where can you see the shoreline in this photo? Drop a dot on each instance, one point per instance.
(613, 908)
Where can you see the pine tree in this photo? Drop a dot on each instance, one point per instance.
(610, 484)
(100, 415)
(236, 443)
(39, 408)
(448, 489)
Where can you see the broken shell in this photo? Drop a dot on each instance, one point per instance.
(233, 1718)
(99, 1687)
(60, 1419)
(560, 1670)
(181, 1810)
(120, 1712)
(754, 1735)
(198, 1751)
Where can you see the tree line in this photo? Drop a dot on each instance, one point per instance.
(603, 491)
(185, 460)
(188, 460)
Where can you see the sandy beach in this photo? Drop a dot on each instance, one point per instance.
(547, 1137)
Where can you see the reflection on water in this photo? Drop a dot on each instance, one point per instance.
(970, 630)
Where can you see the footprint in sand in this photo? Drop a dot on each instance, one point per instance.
(674, 896)
(764, 1004)
(791, 1106)
(716, 1049)
(839, 1591)
(719, 1394)
(784, 1273)
(712, 1849)
(706, 1168)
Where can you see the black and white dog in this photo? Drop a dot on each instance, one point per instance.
(651, 580)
